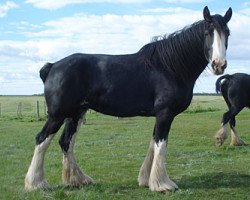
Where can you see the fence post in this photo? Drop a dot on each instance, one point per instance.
(37, 109)
(0, 110)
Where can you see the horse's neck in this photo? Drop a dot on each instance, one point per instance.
(190, 52)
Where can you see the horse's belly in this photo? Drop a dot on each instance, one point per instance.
(124, 107)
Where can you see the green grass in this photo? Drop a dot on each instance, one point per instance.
(9, 106)
(111, 151)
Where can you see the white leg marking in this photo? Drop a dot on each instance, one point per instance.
(145, 170)
(221, 135)
(235, 138)
(34, 178)
(159, 180)
(72, 174)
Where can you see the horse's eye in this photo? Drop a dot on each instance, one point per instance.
(211, 30)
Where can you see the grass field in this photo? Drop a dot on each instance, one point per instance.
(111, 151)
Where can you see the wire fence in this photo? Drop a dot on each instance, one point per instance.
(21, 107)
(25, 108)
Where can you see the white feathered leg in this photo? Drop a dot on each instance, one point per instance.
(221, 135)
(34, 178)
(235, 138)
(145, 169)
(72, 174)
(159, 180)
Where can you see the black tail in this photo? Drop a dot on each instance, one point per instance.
(45, 71)
(218, 82)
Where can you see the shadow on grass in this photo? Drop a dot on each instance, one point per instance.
(97, 187)
(216, 180)
(207, 181)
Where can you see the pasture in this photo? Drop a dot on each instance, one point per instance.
(111, 151)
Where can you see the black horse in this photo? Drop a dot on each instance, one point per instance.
(157, 81)
(235, 89)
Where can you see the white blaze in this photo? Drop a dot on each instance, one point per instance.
(219, 48)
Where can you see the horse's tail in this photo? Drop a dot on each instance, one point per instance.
(44, 71)
(218, 82)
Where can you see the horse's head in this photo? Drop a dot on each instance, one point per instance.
(216, 39)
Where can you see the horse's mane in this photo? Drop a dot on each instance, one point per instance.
(179, 53)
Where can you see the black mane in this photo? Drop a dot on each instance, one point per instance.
(174, 51)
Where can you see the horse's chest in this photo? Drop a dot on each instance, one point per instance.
(177, 100)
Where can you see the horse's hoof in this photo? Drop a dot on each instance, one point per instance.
(43, 185)
(168, 186)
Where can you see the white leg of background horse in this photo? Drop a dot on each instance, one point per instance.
(145, 170)
(35, 176)
(235, 138)
(221, 135)
(159, 180)
(72, 174)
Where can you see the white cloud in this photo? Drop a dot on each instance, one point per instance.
(245, 11)
(52, 4)
(20, 77)
(185, 1)
(4, 8)
(110, 34)
(113, 34)
(239, 41)
(246, 4)
(170, 10)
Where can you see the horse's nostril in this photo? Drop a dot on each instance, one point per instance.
(213, 64)
(224, 66)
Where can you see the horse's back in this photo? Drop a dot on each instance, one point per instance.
(105, 83)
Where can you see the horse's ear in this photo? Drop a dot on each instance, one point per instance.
(206, 14)
(228, 15)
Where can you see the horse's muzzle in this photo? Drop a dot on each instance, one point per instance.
(219, 69)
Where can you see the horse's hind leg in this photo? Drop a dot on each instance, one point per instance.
(35, 176)
(235, 138)
(72, 174)
(145, 169)
(221, 135)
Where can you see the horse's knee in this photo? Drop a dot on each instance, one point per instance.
(226, 117)
(71, 127)
(232, 123)
(50, 127)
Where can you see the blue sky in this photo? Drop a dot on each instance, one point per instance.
(33, 32)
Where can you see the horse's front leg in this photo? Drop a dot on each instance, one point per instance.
(235, 138)
(154, 167)
(72, 174)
